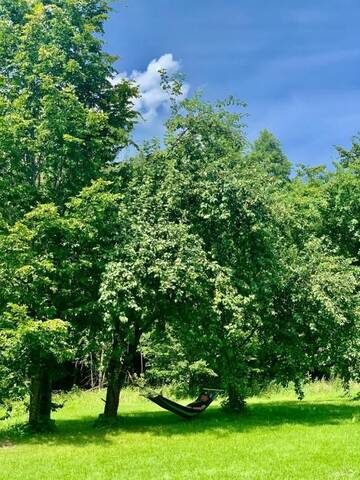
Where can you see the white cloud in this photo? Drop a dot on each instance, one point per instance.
(153, 99)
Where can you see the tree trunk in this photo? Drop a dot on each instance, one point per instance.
(114, 382)
(101, 373)
(40, 399)
(236, 401)
(116, 374)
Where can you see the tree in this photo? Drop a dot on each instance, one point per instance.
(226, 201)
(301, 203)
(314, 325)
(31, 349)
(161, 276)
(347, 157)
(62, 118)
(341, 213)
(203, 181)
(33, 334)
(277, 309)
(266, 152)
(52, 264)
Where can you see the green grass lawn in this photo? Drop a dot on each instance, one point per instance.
(277, 437)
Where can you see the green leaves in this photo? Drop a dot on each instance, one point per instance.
(24, 342)
(278, 302)
(50, 271)
(266, 152)
(341, 212)
(159, 266)
(62, 120)
(204, 250)
(31, 337)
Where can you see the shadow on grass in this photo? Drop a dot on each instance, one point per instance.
(81, 431)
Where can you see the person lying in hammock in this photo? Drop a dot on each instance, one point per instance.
(200, 403)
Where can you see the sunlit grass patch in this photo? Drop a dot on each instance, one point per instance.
(275, 438)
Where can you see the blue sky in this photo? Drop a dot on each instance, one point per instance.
(296, 63)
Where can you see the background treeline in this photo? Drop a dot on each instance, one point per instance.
(197, 261)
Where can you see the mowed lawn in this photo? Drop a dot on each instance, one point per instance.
(277, 437)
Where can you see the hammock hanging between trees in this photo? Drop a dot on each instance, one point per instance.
(191, 410)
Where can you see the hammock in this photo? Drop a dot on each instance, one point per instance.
(191, 410)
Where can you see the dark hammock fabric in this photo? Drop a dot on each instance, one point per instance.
(185, 411)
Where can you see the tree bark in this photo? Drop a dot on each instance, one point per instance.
(40, 399)
(236, 401)
(116, 373)
(114, 381)
(101, 373)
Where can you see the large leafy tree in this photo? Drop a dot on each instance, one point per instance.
(267, 152)
(348, 157)
(62, 118)
(341, 212)
(160, 187)
(277, 304)
(33, 332)
(160, 277)
(226, 200)
(301, 204)
(50, 273)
